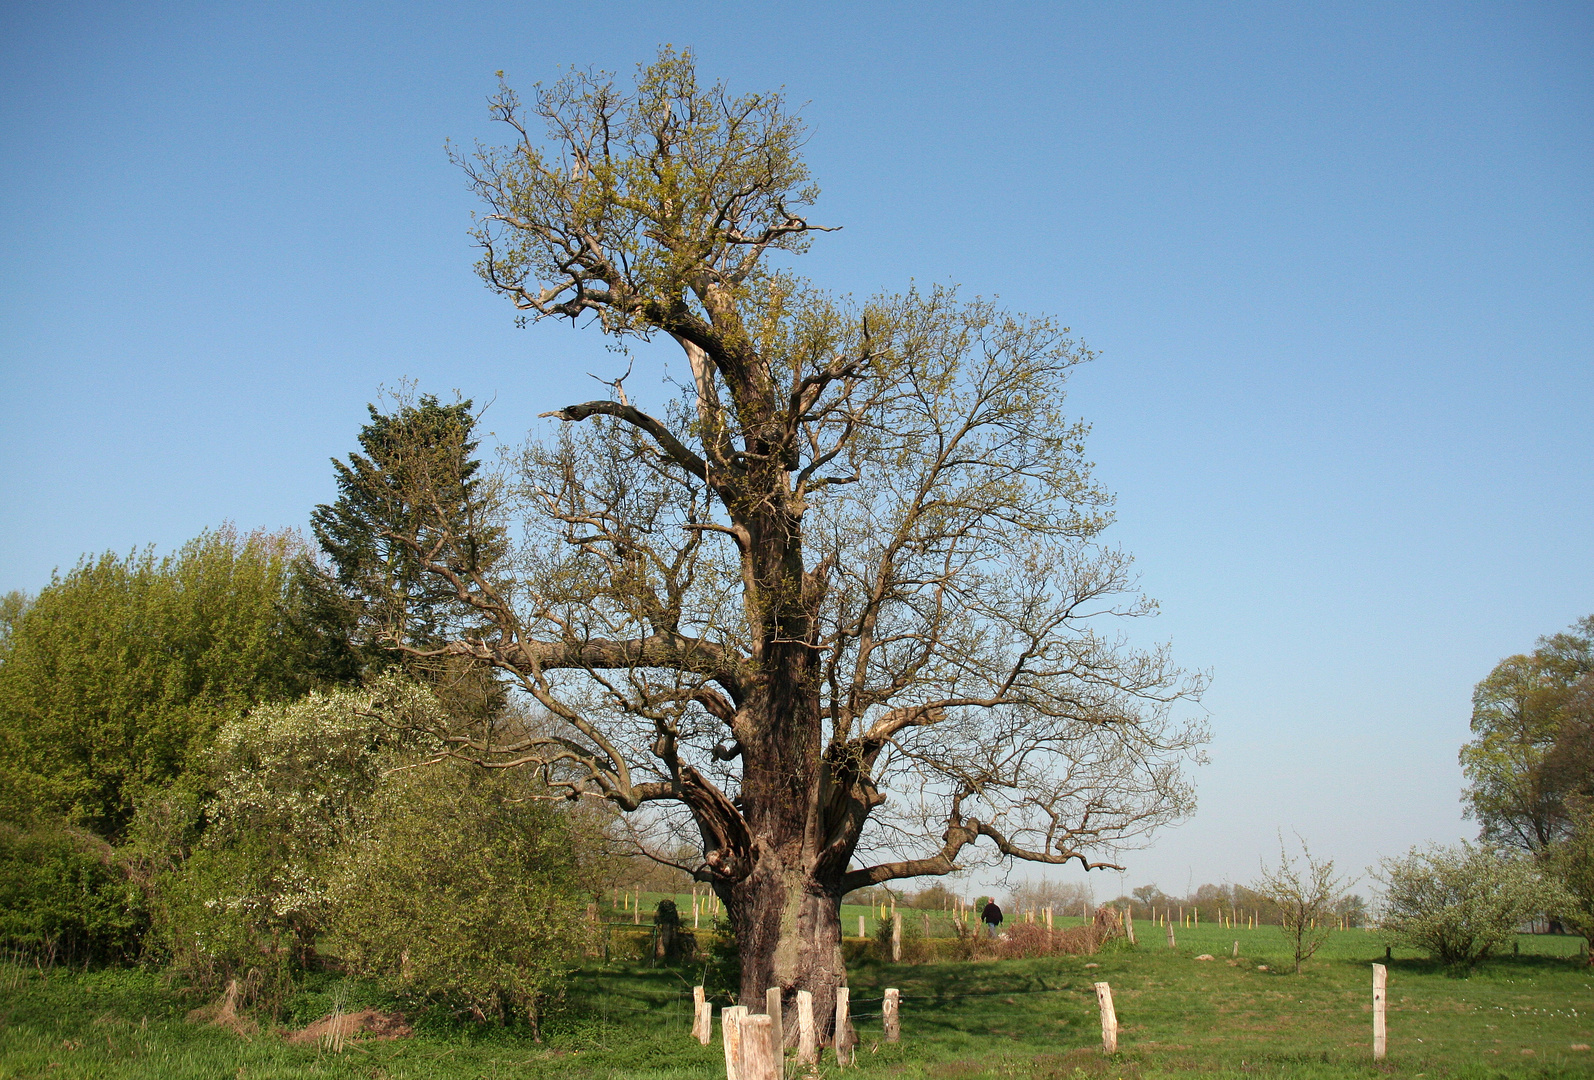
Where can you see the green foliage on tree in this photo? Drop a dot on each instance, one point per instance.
(1459, 904)
(372, 592)
(114, 677)
(1533, 741)
(1571, 862)
(12, 605)
(462, 889)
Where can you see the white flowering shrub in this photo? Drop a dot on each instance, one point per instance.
(1459, 904)
(289, 780)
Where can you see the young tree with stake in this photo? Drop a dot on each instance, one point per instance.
(1304, 896)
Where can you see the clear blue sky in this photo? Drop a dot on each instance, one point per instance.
(1337, 259)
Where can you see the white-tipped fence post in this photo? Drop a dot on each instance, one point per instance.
(772, 1009)
(760, 1060)
(1109, 1019)
(807, 1043)
(891, 1016)
(731, 1033)
(702, 1021)
(861, 932)
(896, 937)
(1380, 995)
(841, 1041)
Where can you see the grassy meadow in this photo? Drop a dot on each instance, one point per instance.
(1518, 1016)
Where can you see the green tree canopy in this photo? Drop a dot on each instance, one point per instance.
(1571, 861)
(1532, 749)
(114, 677)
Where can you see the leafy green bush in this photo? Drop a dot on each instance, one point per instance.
(1459, 903)
(63, 898)
(462, 891)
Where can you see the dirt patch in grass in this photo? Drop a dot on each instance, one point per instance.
(367, 1023)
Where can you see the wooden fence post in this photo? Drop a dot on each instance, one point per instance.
(1172, 944)
(807, 1043)
(841, 1040)
(1380, 995)
(1109, 1019)
(759, 1058)
(702, 1021)
(861, 932)
(896, 937)
(926, 918)
(772, 1009)
(1129, 924)
(891, 1017)
(731, 1033)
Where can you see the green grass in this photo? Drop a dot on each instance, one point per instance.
(1513, 1017)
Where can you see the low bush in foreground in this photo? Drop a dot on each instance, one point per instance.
(63, 897)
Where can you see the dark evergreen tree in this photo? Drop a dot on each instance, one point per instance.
(369, 593)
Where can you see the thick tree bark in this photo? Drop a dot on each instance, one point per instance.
(788, 931)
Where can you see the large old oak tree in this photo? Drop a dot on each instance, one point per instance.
(834, 606)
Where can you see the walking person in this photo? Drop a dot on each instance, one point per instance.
(991, 916)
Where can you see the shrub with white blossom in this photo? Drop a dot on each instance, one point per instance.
(1459, 904)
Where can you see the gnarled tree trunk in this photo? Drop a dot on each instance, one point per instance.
(788, 931)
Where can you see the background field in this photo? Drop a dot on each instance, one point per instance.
(1516, 1016)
